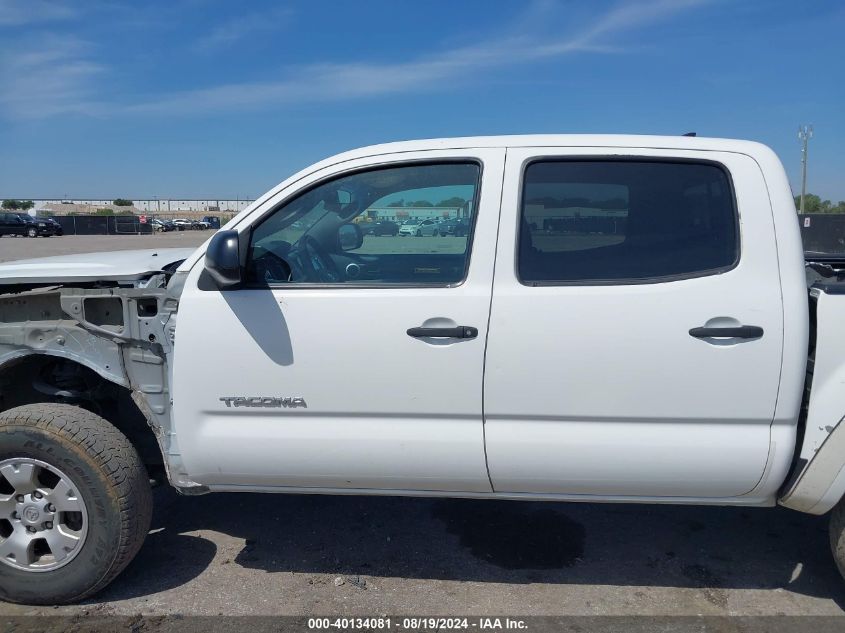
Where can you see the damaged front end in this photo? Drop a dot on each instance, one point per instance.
(102, 344)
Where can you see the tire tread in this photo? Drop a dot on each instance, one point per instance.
(115, 457)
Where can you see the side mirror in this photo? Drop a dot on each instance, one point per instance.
(223, 260)
(349, 237)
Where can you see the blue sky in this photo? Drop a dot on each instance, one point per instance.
(212, 98)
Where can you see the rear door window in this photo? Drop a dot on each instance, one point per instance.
(625, 221)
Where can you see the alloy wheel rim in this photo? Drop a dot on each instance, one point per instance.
(43, 518)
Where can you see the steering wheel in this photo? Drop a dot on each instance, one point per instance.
(270, 267)
(316, 262)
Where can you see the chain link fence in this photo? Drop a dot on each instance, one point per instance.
(103, 225)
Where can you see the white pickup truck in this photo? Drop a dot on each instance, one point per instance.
(630, 319)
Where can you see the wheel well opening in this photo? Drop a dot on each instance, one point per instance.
(41, 378)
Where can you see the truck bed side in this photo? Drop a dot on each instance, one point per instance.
(817, 481)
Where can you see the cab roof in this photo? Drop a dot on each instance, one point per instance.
(557, 140)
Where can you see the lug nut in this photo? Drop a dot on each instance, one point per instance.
(19, 498)
(49, 525)
(36, 495)
(30, 529)
(50, 507)
(15, 515)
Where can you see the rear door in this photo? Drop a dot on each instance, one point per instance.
(636, 329)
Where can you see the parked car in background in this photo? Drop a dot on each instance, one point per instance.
(213, 221)
(384, 227)
(25, 225)
(458, 227)
(13, 224)
(41, 227)
(183, 224)
(58, 227)
(419, 228)
(162, 226)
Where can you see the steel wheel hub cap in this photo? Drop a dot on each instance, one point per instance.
(43, 520)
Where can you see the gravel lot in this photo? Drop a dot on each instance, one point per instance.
(274, 554)
(25, 247)
(301, 555)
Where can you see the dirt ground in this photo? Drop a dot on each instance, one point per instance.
(303, 555)
(25, 247)
(238, 554)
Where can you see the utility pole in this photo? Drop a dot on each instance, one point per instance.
(805, 133)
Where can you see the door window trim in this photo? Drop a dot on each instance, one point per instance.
(632, 281)
(418, 162)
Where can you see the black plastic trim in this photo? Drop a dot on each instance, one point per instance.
(831, 288)
(742, 331)
(460, 331)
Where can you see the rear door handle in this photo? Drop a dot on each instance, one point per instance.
(460, 331)
(742, 331)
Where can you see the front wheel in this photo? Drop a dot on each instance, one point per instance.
(836, 530)
(32, 232)
(75, 503)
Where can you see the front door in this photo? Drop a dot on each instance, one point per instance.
(316, 373)
(636, 329)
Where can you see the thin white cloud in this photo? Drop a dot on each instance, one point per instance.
(23, 12)
(345, 81)
(242, 27)
(627, 17)
(60, 77)
(50, 76)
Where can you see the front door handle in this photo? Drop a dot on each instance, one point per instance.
(460, 331)
(741, 331)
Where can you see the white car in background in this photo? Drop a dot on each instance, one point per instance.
(182, 224)
(418, 228)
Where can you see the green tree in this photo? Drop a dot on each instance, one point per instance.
(397, 203)
(420, 203)
(104, 211)
(18, 205)
(122, 202)
(454, 202)
(814, 204)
